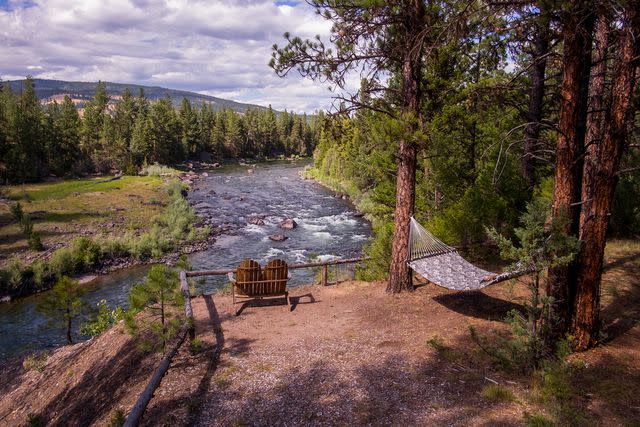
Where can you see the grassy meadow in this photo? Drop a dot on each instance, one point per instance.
(64, 210)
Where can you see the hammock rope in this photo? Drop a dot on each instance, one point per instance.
(442, 264)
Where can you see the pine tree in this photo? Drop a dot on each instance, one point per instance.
(124, 119)
(63, 145)
(29, 151)
(63, 303)
(166, 147)
(161, 298)
(93, 130)
(190, 129)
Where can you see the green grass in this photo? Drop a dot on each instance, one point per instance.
(497, 393)
(72, 187)
(61, 210)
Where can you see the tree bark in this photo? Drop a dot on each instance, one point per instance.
(69, 339)
(399, 272)
(536, 98)
(577, 28)
(602, 182)
(595, 117)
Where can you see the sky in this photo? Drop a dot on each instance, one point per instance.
(218, 48)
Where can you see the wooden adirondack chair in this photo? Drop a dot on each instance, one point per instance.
(252, 282)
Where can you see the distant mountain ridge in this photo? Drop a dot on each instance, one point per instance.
(81, 92)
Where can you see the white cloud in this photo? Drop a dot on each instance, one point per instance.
(220, 48)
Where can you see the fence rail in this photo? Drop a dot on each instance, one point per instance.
(323, 264)
(134, 417)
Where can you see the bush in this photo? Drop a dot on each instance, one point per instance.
(103, 320)
(35, 361)
(40, 270)
(62, 262)
(379, 250)
(11, 278)
(86, 253)
(115, 248)
(159, 170)
(34, 241)
(497, 393)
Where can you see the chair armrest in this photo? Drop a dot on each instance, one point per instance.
(231, 278)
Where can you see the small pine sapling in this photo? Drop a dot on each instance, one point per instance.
(63, 303)
(154, 307)
(540, 245)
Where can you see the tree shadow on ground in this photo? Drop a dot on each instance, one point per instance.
(390, 391)
(613, 382)
(100, 389)
(623, 310)
(210, 357)
(478, 304)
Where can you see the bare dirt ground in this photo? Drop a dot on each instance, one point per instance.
(347, 354)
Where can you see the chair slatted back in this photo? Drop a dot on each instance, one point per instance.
(249, 277)
(275, 275)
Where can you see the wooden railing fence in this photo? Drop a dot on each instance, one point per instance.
(188, 328)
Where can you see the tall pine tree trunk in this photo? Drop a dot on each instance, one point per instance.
(595, 118)
(600, 189)
(577, 28)
(536, 98)
(399, 272)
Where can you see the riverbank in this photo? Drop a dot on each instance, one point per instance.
(344, 354)
(95, 226)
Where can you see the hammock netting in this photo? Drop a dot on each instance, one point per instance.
(442, 265)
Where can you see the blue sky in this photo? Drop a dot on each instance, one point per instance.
(219, 48)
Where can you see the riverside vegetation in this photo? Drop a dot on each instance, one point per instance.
(147, 217)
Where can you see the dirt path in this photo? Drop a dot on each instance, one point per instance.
(340, 355)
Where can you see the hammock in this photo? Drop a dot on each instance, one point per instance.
(442, 265)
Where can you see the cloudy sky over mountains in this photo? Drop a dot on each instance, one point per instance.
(220, 48)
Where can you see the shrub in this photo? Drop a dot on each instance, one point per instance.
(34, 241)
(103, 319)
(115, 248)
(497, 393)
(35, 361)
(159, 170)
(537, 420)
(62, 262)
(40, 270)
(117, 418)
(86, 253)
(379, 251)
(11, 278)
(17, 212)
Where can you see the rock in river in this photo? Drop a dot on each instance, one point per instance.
(278, 237)
(256, 220)
(288, 224)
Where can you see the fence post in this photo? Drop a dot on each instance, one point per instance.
(325, 275)
(188, 310)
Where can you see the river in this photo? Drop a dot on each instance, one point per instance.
(226, 199)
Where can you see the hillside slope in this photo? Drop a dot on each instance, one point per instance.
(84, 91)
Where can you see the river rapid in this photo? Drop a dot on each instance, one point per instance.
(226, 200)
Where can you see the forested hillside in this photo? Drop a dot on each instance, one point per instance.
(37, 140)
(82, 92)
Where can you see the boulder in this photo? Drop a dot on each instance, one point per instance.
(205, 174)
(288, 224)
(278, 237)
(256, 220)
